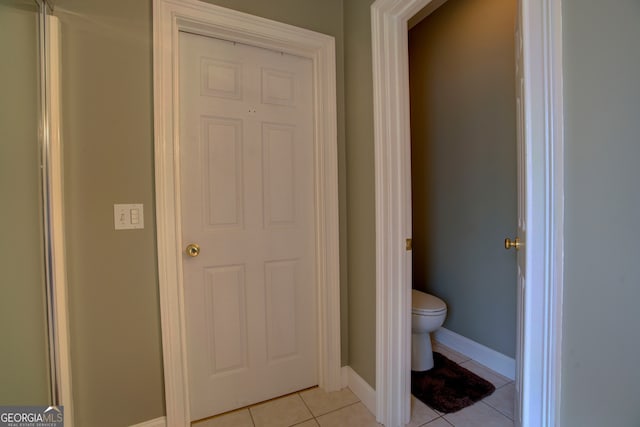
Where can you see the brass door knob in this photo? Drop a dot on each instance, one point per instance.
(508, 243)
(193, 250)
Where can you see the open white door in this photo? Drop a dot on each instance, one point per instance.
(522, 228)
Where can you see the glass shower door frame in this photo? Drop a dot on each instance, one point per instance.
(52, 204)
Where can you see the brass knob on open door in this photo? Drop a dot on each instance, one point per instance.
(508, 243)
(193, 250)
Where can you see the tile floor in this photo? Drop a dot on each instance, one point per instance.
(314, 407)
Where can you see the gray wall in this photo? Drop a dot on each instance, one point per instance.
(108, 158)
(463, 142)
(360, 188)
(601, 349)
(108, 154)
(23, 339)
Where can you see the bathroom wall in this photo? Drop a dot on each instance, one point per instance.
(463, 142)
(360, 189)
(601, 338)
(107, 139)
(23, 335)
(108, 153)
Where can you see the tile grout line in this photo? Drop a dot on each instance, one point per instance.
(494, 408)
(439, 417)
(251, 416)
(446, 421)
(338, 409)
(506, 384)
(328, 412)
(313, 416)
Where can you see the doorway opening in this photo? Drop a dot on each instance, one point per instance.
(463, 181)
(539, 333)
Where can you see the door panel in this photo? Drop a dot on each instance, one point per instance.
(522, 226)
(223, 198)
(247, 188)
(225, 319)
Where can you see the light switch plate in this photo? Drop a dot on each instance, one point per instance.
(128, 217)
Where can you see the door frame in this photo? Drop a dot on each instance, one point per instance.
(539, 365)
(169, 18)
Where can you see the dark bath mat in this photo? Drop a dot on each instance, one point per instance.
(448, 387)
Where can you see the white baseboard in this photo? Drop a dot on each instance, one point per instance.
(158, 422)
(493, 360)
(344, 373)
(360, 388)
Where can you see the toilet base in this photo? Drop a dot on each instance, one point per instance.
(421, 352)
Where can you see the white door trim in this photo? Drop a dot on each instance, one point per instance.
(540, 364)
(170, 17)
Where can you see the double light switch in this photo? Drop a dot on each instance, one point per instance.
(127, 217)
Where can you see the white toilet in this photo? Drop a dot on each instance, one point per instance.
(427, 315)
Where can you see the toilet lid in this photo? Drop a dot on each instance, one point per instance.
(423, 303)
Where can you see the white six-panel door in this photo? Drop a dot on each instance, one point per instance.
(246, 172)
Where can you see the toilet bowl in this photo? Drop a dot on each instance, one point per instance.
(427, 314)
